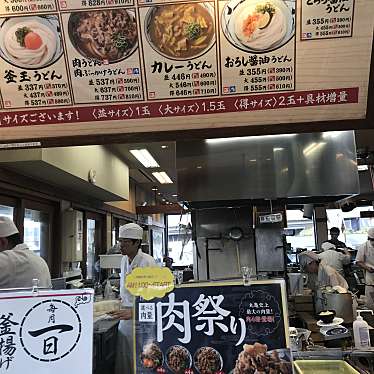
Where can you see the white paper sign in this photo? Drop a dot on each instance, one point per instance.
(48, 332)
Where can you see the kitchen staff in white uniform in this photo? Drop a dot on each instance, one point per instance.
(130, 239)
(18, 264)
(365, 259)
(333, 258)
(327, 276)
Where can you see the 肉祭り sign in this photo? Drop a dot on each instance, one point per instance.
(45, 332)
(136, 65)
(214, 328)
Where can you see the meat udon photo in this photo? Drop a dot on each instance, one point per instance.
(109, 35)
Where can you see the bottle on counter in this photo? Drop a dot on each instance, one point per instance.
(361, 331)
(108, 292)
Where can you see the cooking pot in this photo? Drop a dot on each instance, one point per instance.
(342, 303)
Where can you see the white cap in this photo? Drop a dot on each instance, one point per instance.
(7, 227)
(371, 233)
(327, 245)
(131, 231)
(307, 257)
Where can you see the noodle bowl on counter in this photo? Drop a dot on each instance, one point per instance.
(29, 42)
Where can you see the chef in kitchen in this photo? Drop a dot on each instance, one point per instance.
(327, 276)
(333, 258)
(18, 264)
(365, 259)
(130, 240)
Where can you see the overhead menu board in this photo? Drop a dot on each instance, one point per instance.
(85, 64)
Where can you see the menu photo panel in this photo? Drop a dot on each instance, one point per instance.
(103, 55)
(33, 70)
(257, 46)
(180, 50)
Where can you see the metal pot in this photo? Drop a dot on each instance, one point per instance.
(340, 302)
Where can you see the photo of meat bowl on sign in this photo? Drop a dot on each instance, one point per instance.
(257, 45)
(103, 55)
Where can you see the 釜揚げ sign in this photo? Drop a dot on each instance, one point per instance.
(46, 331)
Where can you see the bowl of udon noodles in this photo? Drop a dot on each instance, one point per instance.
(180, 31)
(31, 42)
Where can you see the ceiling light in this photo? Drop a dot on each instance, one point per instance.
(199, 167)
(253, 160)
(278, 149)
(162, 177)
(145, 158)
(362, 167)
(331, 134)
(174, 195)
(312, 148)
(164, 146)
(154, 189)
(246, 138)
(158, 193)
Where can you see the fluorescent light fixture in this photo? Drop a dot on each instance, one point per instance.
(331, 134)
(246, 138)
(311, 148)
(362, 167)
(278, 149)
(162, 177)
(145, 158)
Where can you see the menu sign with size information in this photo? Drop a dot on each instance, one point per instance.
(326, 19)
(87, 64)
(257, 64)
(180, 52)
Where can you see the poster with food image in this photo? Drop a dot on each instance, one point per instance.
(326, 19)
(90, 4)
(103, 55)
(13, 7)
(214, 328)
(32, 66)
(257, 40)
(179, 50)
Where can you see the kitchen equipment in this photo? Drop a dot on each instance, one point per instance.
(324, 367)
(340, 302)
(296, 282)
(236, 234)
(336, 336)
(298, 338)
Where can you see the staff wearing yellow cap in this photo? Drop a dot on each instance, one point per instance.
(130, 240)
(18, 264)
